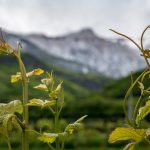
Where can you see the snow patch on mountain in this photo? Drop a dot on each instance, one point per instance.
(85, 52)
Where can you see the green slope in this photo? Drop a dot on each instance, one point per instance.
(118, 88)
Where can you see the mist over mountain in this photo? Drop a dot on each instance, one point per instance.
(82, 51)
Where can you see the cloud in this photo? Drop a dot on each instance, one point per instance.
(55, 17)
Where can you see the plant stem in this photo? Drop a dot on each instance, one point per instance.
(52, 148)
(33, 132)
(63, 143)
(126, 97)
(25, 145)
(136, 109)
(56, 124)
(142, 47)
(9, 145)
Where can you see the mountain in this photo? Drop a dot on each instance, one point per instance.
(82, 51)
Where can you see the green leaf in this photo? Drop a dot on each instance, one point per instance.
(8, 119)
(49, 103)
(74, 126)
(121, 133)
(58, 88)
(35, 72)
(4, 119)
(143, 112)
(48, 137)
(41, 103)
(81, 119)
(7, 123)
(35, 102)
(54, 94)
(16, 78)
(12, 107)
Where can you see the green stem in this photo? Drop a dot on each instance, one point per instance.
(56, 124)
(53, 112)
(25, 145)
(126, 97)
(63, 143)
(9, 145)
(33, 132)
(52, 148)
(142, 47)
(137, 106)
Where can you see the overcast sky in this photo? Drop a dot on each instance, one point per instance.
(56, 17)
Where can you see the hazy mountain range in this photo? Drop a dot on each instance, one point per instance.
(82, 51)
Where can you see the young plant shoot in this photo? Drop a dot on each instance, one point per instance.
(12, 111)
(134, 131)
